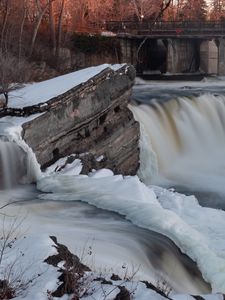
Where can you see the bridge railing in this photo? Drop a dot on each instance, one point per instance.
(165, 27)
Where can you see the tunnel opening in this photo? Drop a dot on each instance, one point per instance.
(152, 57)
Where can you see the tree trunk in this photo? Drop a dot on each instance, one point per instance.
(21, 28)
(34, 36)
(5, 19)
(52, 27)
(59, 40)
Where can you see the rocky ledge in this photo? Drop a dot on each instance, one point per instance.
(91, 120)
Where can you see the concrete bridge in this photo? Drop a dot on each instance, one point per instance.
(175, 47)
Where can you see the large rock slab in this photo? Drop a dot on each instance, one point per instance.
(90, 118)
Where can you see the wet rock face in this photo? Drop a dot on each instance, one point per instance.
(92, 118)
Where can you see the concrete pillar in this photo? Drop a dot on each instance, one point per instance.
(209, 57)
(181, 56)
(125, 49)
(172, 57)
(221, 58)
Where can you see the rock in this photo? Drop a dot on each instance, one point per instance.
(115, 277)
(154, 288)
(72, 271)
(124, 294)
(91, 118)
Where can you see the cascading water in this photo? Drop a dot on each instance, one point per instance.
(12, 164)
(18, 163)
(184, 139)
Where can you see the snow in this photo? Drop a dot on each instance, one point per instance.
(137, 290)
(108, 33)
(101, 173)
(63, 167)
(23, 262)
(17, 121)
(36, 93)
(177, 216)
(41, 92)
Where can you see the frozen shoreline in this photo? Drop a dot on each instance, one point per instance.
(143, 207)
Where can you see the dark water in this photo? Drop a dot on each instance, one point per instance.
(112, 238)
(145, 92)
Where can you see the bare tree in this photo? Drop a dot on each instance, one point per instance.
(217, 10)
(6, 5)
(52, 26)
(195, 10)
(13, 72)
(41, 11)
(164, 5)
(24, 15)
(60, 21)
(145, 9)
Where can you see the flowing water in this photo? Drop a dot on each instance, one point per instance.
(182, 146)
(11, 164)
(183, 138)
(118, 246)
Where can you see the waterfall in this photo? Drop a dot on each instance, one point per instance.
(12, 162)
(185, 142)
(18, 163)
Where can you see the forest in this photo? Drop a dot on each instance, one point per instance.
(54, 19)
(39, 31)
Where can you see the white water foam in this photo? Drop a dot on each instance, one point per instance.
(17, 157)
(188, 139)
(185, 140)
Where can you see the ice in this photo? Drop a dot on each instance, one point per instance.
(198, 232)
(101, 173)
(62, 166)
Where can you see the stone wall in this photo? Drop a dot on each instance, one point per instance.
(91, 118)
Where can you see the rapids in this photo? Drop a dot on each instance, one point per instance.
(183, 141)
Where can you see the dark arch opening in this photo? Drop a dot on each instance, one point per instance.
(152, 57)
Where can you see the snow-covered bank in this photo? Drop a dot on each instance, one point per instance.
(183, 220)
(40, 92)
(40, 263)
(121, 247)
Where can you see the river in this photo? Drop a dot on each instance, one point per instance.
(182, 148)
